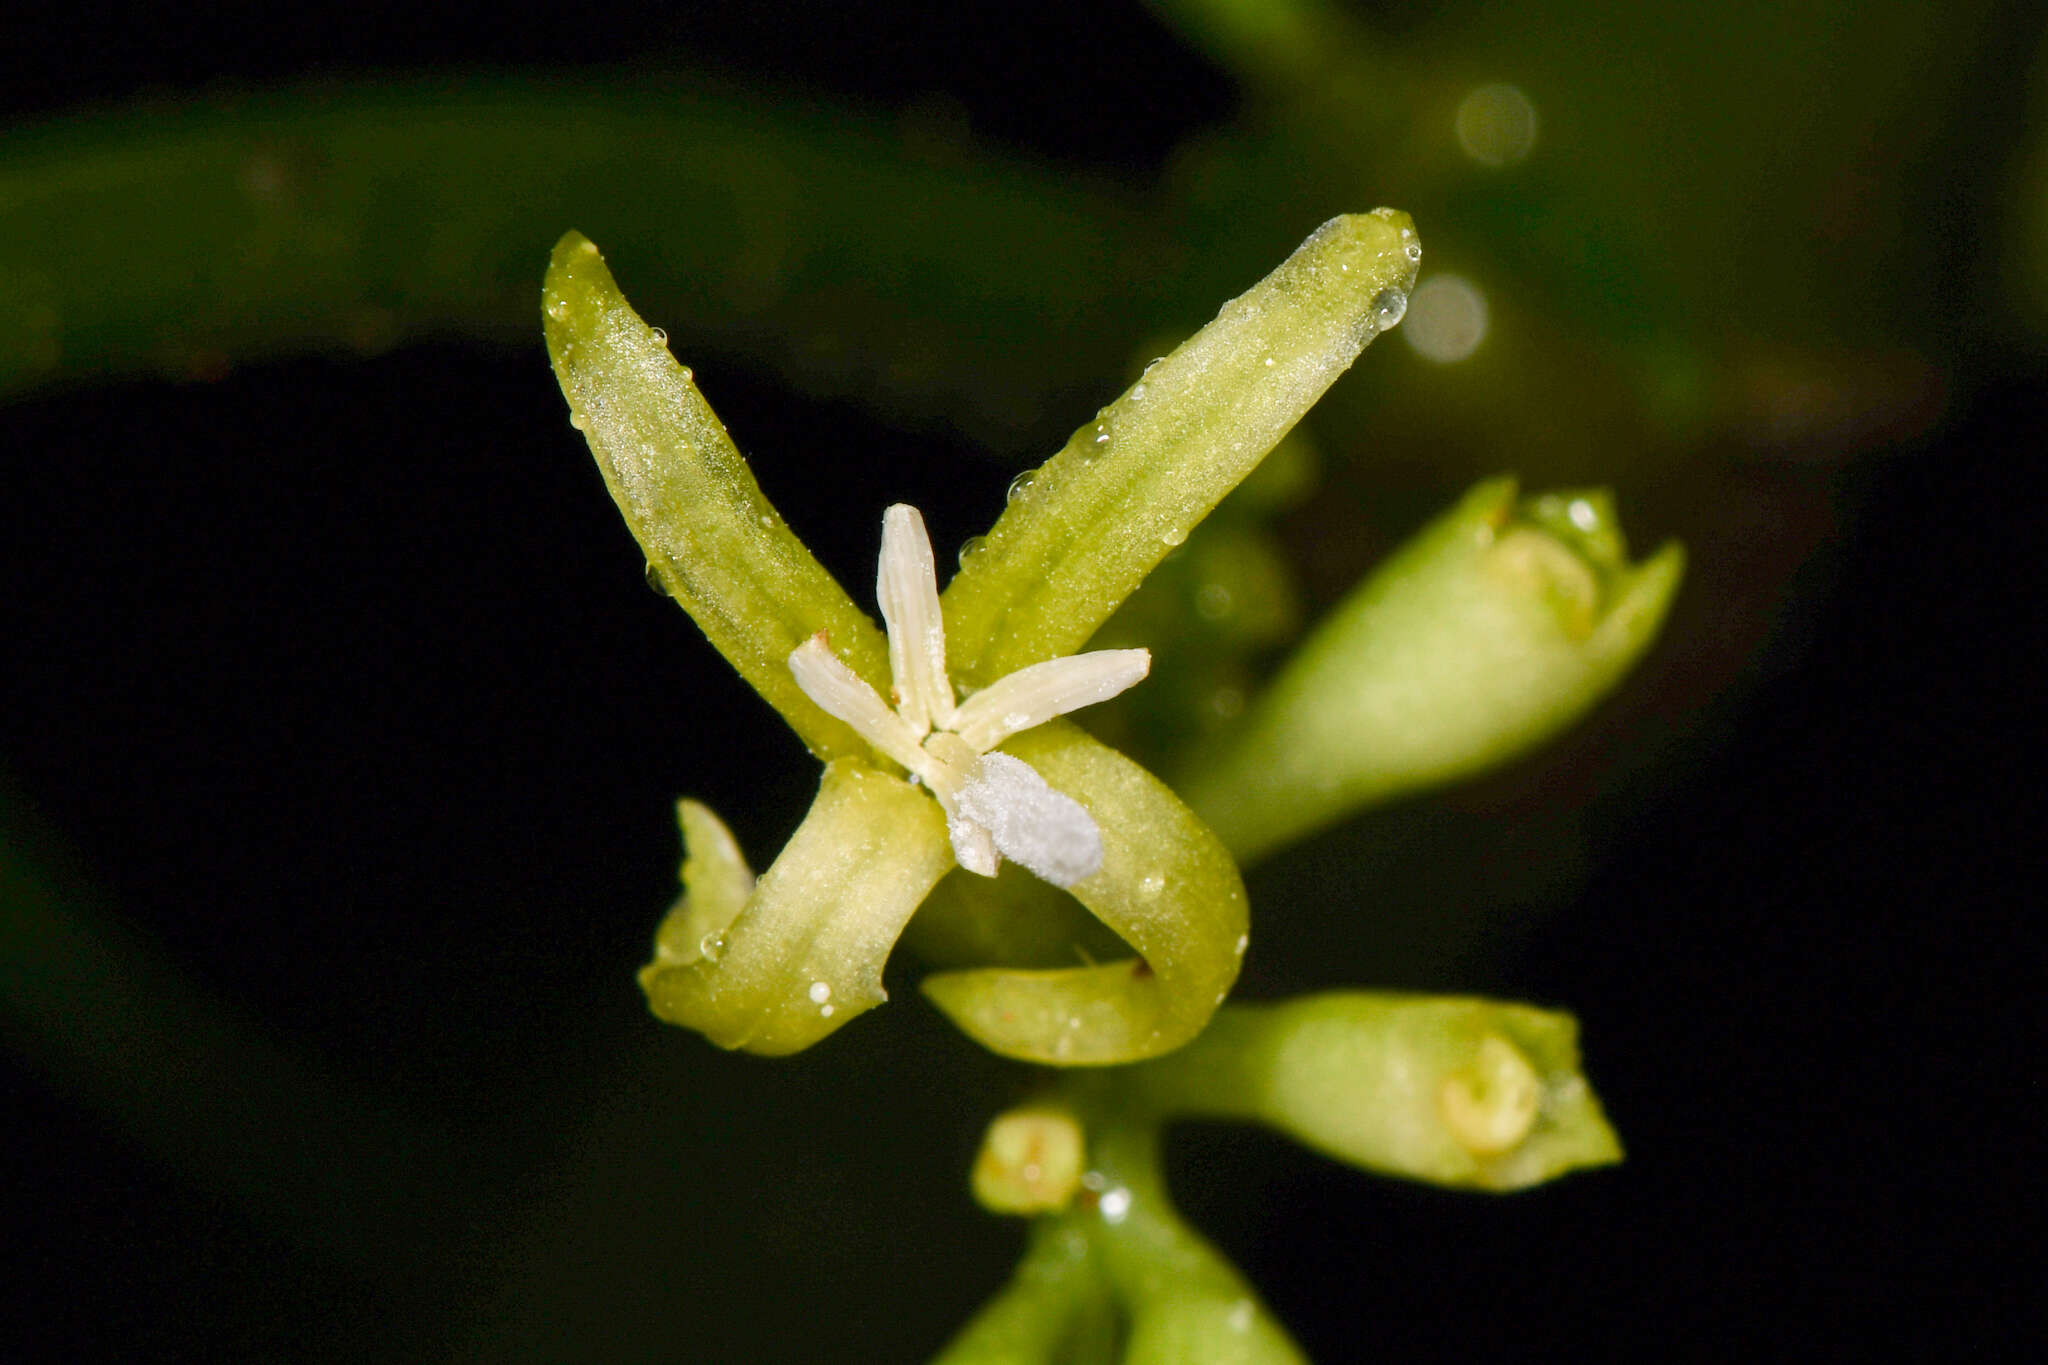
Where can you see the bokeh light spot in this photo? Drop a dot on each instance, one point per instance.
(1496, 125)
(1446, 319)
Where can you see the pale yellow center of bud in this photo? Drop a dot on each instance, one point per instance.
(1491, 1105)
(1030, 1162)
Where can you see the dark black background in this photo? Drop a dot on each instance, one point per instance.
(336, 678)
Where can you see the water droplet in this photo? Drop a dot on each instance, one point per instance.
(1413, 251)
(578, 420)
(660, 337)
(1153, 361)
(1115, 1205)
(821, 991)
(1138, 392)
(1020, 487)
(1269, 362)
(767, 520)
(1173, 535)
(971, 547)
(712, 946)
(827, 1011)
(1388, 308)
(558, 308)
(653, 576)
(1583, 514)
(1099, 436)
(1151, 886)
(689, 375)
(1243, 942)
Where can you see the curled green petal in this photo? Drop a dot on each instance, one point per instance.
(1450, 1090)
(804, 953)
(711, 538)
(1492, 630)
(1168, 889)
(1090, 524)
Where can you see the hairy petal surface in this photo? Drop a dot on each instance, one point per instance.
(712, 539)
(1166, 886)
(805, 952)
(1126, 490)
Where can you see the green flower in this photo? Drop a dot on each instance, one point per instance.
(918, 785)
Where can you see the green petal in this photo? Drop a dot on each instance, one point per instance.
(711, 539)
(1166, 886)
(804, 954)
(1450, 1090)
(1090, 524)
(1488, 633)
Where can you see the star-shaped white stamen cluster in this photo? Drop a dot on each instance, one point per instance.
(996, 806)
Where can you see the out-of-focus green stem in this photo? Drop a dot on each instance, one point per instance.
(1055, 1308)
(111, 1023)
(1186, 1304)
(185, 238)
(1496, 627)
(1282, 44)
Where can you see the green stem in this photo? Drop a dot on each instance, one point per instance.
(184, 239)
(1186, 1304)
(1056, 1307)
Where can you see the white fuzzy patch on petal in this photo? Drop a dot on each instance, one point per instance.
(907, 589)
(1029, 822)
(1032, 696)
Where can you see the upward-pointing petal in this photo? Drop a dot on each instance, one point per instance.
(1032, 696)
(907, 588)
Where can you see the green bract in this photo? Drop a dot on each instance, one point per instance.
(774, 966)
(1498, 625)
(1446, 1089)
